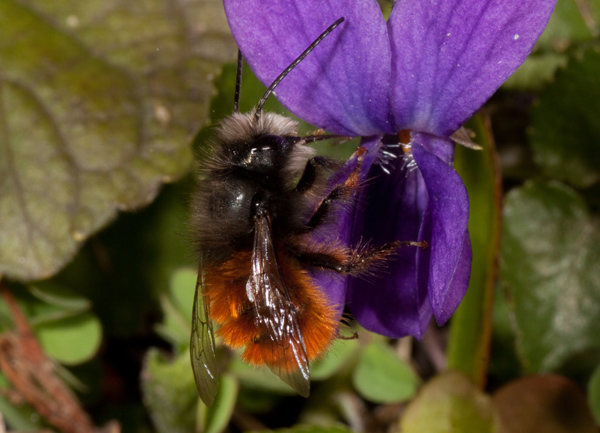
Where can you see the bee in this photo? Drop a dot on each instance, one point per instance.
(263, 196)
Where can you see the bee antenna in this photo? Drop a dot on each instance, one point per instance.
(238, 82)
(293, 65)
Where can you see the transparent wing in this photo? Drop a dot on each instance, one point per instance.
(202, 346)
(283, 350)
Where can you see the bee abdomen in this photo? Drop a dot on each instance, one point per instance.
(242, 326)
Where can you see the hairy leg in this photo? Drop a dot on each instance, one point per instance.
(361, 260)
(314, 167)
(340, 192)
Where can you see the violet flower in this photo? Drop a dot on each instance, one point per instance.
(424, 72)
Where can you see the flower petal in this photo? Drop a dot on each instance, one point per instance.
(449, 257)
(391, 208)
(450, 56)
(342, 86)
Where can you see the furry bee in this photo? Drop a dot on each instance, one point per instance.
(262, 197)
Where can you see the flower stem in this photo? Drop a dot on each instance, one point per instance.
(471, 327)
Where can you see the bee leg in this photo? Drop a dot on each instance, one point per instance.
(354, 336)
(339, 192)
(319, 135)
(318, 132)
(356, 261)
(364, 259)
(311, 171)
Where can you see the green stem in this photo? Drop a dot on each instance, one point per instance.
(471, 328)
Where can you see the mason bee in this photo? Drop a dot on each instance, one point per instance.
(262, 197)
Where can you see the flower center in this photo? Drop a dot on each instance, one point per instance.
(390, 152)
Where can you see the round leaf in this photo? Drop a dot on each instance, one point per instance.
(550, 266)
(382, 377)
(71, 340)
(450, 403)
(335, 358)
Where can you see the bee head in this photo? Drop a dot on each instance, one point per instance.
(265, 145)
(263, 154)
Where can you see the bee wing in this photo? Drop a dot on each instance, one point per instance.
(202, 346)
(276, 312)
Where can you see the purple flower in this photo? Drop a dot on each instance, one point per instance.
(424, 72)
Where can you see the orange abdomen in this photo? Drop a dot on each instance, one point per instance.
(235, 314)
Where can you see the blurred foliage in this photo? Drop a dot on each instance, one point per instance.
(114, 93)
(550, 244)
(573, 120)
(594, 394)
(450, 403)
(574, 26)
(170, 392)
(100, 101)
(544, 403)
(312, 429)
(381, 376)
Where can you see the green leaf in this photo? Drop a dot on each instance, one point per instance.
(71, 340)
(573, 24)
(551, 258)
(98, 101)
(450, 403)
(310, 429)
(173, 328)
(127, 268)
(260, 378)
(66, 330)
(549, 404)
(382, 377)
(177, 307)
(470, 331)
(182, 288)
(565, 131)
(168, 237)
(336, 357)
(169, 392)
(60, 296)
(594, 394)
(21, 418)
(218, 415)
(536, 71)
